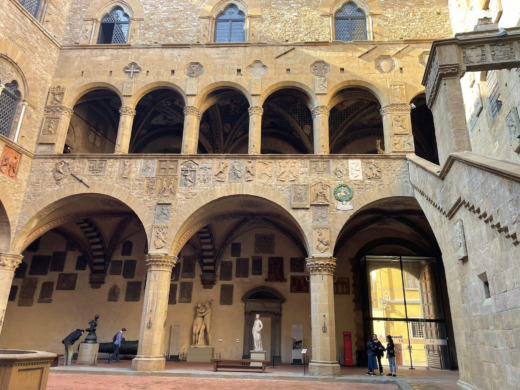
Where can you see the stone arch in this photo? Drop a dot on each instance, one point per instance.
(23, 66)
(183, 227)
(290, 84)
(213, 83)
(345, 82)
(30, 216)
(330, 7)
(416, 93)
(263, 289)
(5, 229)
(98, 9)
(212, 7)
(141, 92)
(76, 93)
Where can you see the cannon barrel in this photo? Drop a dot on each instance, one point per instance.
(127, 347)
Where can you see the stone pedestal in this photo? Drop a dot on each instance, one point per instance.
(200, 355)
(88, 354)
(258, 355)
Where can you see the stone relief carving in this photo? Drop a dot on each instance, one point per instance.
(167, 168)
(221, 171)
(320, 216)
(460, 240)
(162, 214)
(320, 167)
(264, 243)
(148, 168)
(265, 170)
(287, 171)
(320, 85)
(385, 64)
(96, 167)
(354, 170)
(61, 170)
(397, 94)
(132, 70)
(49, 130)
(126, 169)
(300, 196)
(56, 96)
(513, 125)
(373, 171)
(189, 174)
(9, 162)
(205, 175)
(194, 69)
(128, 88)
(400, 124)
(502, 52)
(166, 186)
(322, 240)
(257, 69)
(320, 193)
(473, 55)
(161, 236)
(320, 68)
(341, 171)
(249, 170)
(236, 171)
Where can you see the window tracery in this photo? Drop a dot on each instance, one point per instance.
(350, 23)
(114, 27)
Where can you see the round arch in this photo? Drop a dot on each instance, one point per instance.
(30, 216)
(147, 88)
(357, 83)
(185, 223)
(214, 83)
(289, 84)
(263, 293)
(76, 93)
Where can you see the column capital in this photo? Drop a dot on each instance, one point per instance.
(321, 265)
(127, 111)
(160, 262)
(9, 261)
(58, 111)
(256, 111)
(192, 110)
(403, 109)
(320, 110)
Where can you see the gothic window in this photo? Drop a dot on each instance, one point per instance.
(32, 6)
(350, 23)
(9, 99)
(229, 26)
(114, 27)
(494, 97)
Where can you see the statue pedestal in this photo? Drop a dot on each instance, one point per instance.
(258, 355)
(200, 355)
(88, 354)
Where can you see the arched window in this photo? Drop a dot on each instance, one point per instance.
(32, 6)
(350, 23)
(229, 26)
(9, 99)
(114, 27)
(494, 97)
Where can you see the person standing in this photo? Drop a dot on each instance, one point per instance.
(379, 352)
(390, 354)
(372, 362)
(69, 343)
(117, 344)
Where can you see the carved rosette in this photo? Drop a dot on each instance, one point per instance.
(127, 111)
(58, 111)
(158, 262)
(9, 261)
(320, 110)
(321, 265)
(395, 109)
(256, 111)
(192, 110)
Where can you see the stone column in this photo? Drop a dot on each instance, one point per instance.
(190, 136)
(2, 87)
(397, 127)
(64, 114)
(323, 320)
(124, 132)
(150, 355)
(320, 116)
(255, 130)
(8, 264)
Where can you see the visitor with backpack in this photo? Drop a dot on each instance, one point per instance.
(118, 337)
(390, 354)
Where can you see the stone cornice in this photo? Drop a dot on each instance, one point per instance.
(9, 261)
(17, 147)
(321, 265)
(160, 262)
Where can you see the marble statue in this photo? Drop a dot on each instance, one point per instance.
(257, 337)
(202, 325)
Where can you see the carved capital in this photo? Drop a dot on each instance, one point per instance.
(256, 111)
(320, 110)
(9, 261)
(395, 109)
(58, 111)
(192, 110)
(159, 262)
(321, 265)
(127, 111)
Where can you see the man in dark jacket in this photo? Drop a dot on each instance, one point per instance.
(69, 343)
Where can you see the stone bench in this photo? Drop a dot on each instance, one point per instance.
(238, 364)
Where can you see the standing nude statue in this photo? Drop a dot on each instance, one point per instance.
(197, 324)
(257, 337)
(206, 325)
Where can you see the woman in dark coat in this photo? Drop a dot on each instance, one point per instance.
(390, 354)
(372, 362)
(379, 352)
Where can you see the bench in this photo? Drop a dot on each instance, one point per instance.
(238, 364)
